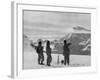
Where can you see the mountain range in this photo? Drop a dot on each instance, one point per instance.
(80, 43)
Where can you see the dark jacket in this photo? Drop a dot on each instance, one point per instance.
(48, 51)
(66, 49)
(39, 49)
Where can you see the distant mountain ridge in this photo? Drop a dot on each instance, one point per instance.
(79, 28)
(80, 43)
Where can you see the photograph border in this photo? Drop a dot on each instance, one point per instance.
(17, 39)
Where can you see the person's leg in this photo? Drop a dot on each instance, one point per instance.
(65, 60)
(68, 59)
(49, 60)
(39, 57)
(42, 58)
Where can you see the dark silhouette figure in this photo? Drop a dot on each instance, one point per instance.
(66, 52)
(48, 52)
(39, 50)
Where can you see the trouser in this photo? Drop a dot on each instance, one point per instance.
(66, 59)
(49, 59)
(40, 58)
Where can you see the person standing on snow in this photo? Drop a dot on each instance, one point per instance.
(66, 52)
(48, 52)
(39, 50)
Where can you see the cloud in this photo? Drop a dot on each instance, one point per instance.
(57, 18)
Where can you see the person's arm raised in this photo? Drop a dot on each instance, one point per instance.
(69, 44)
(32, 44)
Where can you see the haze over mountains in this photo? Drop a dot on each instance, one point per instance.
(52, 35)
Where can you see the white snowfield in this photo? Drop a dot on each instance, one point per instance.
(30, 60)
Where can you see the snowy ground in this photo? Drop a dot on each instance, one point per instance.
(30, 60)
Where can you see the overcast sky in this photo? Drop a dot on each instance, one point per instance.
(44, 24)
